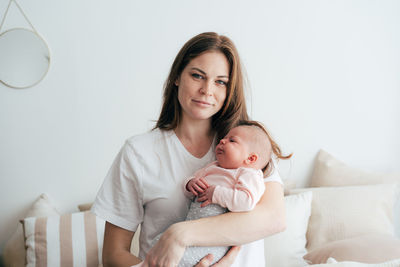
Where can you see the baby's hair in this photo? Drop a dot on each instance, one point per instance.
(269, 167)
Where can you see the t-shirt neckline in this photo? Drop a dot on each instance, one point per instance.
(190, 155)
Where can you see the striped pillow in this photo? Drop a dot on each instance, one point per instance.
(67, 240)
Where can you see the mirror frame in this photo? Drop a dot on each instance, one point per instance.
(49, 59)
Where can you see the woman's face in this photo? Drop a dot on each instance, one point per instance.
(202, 86)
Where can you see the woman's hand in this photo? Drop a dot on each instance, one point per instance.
(168, 251)
(225, 261)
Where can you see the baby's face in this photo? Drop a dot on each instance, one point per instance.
(233, 150)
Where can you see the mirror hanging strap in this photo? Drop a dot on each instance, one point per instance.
(22, 12)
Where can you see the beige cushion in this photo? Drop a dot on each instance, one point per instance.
(329, 171)
(372, 248)
(66, 240)
(288, 248)
(288, 185)
(14, 250)
(345, 212)
(85, 207)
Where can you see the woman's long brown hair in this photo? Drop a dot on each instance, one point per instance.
(234, 107)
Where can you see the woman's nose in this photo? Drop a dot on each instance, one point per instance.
(206, 88)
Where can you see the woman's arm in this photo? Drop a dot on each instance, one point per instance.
(116, 247)
(238, 228)
(232, 228)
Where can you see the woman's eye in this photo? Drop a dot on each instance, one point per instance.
(197, 76)
(221, 82)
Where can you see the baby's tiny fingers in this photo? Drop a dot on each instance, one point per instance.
(193, 191)
(198, 189)
(199, 183)
(204, 182)
(202, 198)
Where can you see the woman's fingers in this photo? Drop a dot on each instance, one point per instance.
(229, 258)
(206, 261)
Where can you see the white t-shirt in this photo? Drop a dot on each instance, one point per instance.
(144, 186)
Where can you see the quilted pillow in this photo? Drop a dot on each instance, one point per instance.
(329, 171)
(348, 211)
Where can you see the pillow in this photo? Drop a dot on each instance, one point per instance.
(288, 248)
(288, 185)
(328, 171)
(135, 240)
(333, 263)
(14, 250)
(85, 207)
(379, 248)
(349, 211)
(68, 240)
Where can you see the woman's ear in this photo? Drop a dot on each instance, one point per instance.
(251, 159)
(176, 82)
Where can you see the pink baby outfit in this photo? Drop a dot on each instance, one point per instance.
(236, 189)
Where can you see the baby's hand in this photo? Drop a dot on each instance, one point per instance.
(197, 186)
(206, 197)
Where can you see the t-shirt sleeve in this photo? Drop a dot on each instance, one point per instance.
(274, 177)
(119, 200)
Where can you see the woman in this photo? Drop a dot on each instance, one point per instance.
(203, 99)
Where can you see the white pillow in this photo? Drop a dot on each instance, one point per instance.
(68, 240)
(329, 171)
(288, 248)
(333, 263)
(14, 251)
(348, 211)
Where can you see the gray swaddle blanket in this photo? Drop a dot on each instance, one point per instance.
(193, 255)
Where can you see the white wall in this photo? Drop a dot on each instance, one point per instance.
(324, 74)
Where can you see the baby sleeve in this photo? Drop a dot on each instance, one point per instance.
(119, 200)
(244, 194)
(199, 173)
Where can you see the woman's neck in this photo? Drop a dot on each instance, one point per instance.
(196, 136)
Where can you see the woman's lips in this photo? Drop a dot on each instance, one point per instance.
(202, 103)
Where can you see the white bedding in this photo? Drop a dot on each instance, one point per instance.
(332, 262)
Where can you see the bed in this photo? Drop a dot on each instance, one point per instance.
(346, 217)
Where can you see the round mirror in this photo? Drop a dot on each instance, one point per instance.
(24, 58)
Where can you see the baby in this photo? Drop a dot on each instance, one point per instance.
(234, 182)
